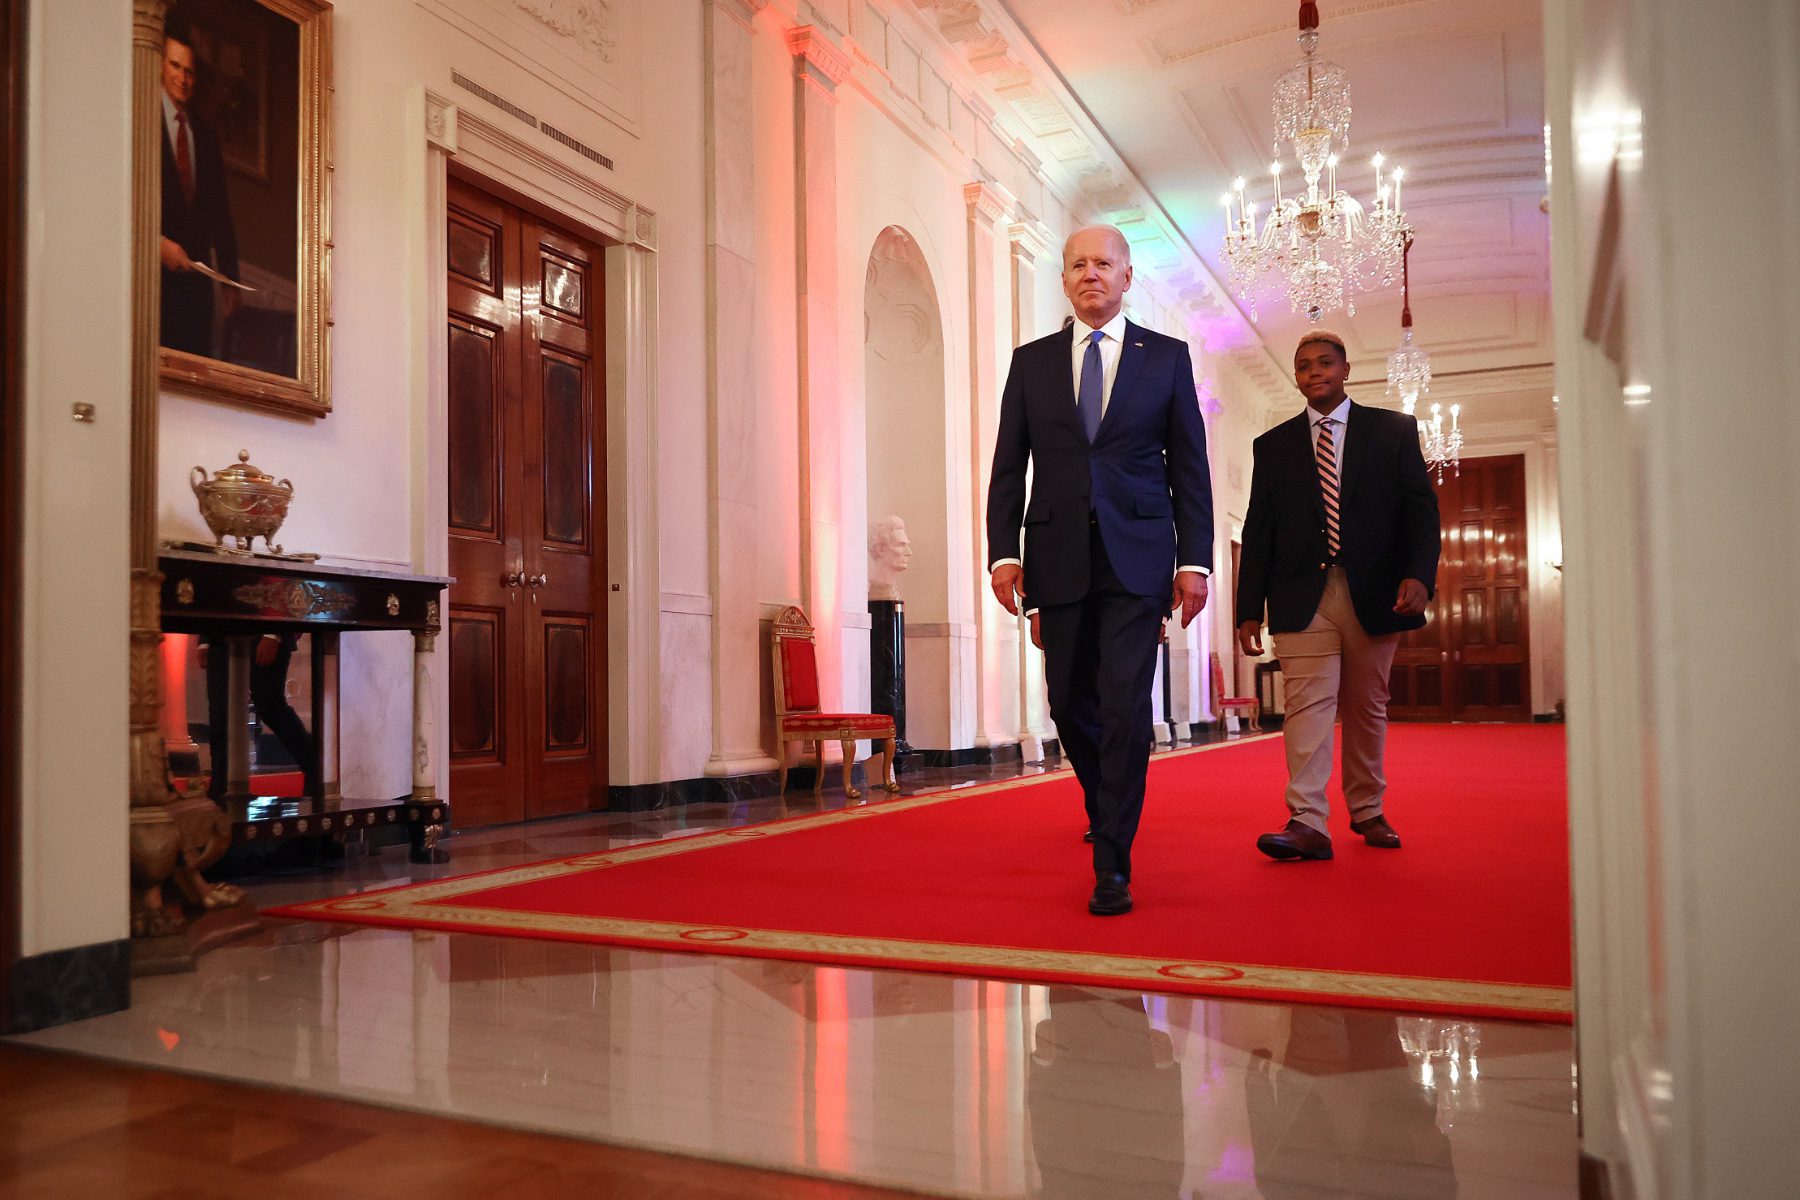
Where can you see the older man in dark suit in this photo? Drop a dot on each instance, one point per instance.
(196, 214)
(1118, 530)
(1341, 544)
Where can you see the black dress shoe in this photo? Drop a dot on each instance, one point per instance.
(1377, 832)
(1112, 895)
(1296, 841)
(1087, 834)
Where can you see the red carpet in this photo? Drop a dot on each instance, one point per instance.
(1472, 916)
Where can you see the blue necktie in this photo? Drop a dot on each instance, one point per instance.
(1093, 379)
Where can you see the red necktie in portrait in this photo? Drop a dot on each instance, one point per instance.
(184, 162)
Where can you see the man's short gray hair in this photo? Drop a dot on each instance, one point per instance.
(1117, 233)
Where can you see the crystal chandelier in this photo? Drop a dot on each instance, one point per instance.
(1409, 376)
(1322, 241)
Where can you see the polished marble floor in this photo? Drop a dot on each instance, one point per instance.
(947, 1086)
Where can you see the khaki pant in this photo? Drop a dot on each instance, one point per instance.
(1334, 670)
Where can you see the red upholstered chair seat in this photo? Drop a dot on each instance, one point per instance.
(865, 724)
(797, 715)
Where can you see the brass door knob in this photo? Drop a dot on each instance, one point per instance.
(538, 580)
(513, 578)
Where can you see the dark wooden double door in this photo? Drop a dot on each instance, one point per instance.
(1472, 661)
(526, 622)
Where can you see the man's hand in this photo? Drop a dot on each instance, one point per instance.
(1007, 579)
(1413, 598)
(266, 646)
(1189, 595)
(1250, 638)
(174, 258)
(1036, 639)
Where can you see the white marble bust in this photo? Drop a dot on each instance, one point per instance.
(890, 553)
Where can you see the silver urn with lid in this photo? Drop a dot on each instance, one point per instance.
(242, 502)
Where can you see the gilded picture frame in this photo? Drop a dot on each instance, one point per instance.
(245, 296)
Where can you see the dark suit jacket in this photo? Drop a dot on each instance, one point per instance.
(203, 229)
(1388, 523)
(1145, 476)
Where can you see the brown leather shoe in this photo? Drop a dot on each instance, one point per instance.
(1377, 832)
(1297, 841)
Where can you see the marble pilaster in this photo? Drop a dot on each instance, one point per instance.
(731, 390)
(1029, 243)
(819, 67)
(987, 205)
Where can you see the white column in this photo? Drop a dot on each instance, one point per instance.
(987, 204)
(424, 769)
(1029, 241)
(731, 391)
(819, 66)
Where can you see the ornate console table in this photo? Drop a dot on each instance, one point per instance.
(240, 598)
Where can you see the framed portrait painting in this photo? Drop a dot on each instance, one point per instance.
(246, 201)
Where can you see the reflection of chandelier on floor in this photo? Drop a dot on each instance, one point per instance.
(1409, 375)
(1323, 242)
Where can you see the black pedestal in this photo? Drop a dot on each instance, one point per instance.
(887, 665)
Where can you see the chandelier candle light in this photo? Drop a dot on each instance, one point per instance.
(1322, 240)
(1409, 375)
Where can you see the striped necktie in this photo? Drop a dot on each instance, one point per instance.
(1326, 454)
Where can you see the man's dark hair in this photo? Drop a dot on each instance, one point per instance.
(177, 29)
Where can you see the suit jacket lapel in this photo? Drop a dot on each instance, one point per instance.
(1131, 361)
(1356, 451)
(1063, 386)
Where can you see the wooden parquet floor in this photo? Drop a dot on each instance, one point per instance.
(88, 1130)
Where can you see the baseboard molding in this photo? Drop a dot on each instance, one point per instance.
(974, 756)
(723, 789)
(70, 985)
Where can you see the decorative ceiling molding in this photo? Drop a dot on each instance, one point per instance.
(818, 55)
(988, 202)
(592, 23)
(1162, 56)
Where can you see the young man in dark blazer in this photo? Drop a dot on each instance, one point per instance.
(1341, 544)
(1117, 533)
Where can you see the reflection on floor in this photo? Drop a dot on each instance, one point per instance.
(950, 1086)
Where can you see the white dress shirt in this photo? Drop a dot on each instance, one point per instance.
(1112, 343)
(1112, 346)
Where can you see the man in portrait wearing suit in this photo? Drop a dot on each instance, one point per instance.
(196, 215)
(1118, 530)
(1341, 544)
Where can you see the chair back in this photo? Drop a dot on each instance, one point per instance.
(796, 664)
(1218, 681)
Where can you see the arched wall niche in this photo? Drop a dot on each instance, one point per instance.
(903, 361)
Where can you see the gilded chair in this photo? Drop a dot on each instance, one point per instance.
(798, 719)
(1249, 707)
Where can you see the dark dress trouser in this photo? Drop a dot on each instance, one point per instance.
(1099, 662)
(268, 697)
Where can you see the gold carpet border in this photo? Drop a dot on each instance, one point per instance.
(1150, 974)
(429, 903)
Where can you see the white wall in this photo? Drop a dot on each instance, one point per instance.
(73, 772)
(1680, 514)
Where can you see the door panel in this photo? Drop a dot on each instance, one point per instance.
(527, 669)
(1471, 661)
(1492, 653)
